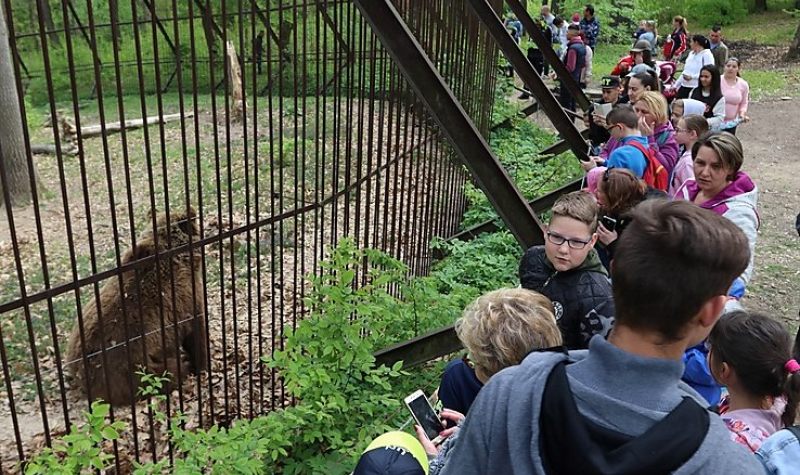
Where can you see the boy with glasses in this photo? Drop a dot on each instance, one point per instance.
(620, 407)
(568, 271)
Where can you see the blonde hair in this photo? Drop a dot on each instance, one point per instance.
(657, 105)
(578, 205)
(501, 327)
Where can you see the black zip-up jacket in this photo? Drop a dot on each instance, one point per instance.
(581, 297)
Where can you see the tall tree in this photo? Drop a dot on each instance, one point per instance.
(794, 47)
(760, 5)
(47, 17)
(13, 160)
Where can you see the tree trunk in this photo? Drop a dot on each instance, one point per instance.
(794, 48)
(760, 5)
(208, 28)
(13, 160)
(47, 18)
(235, 83)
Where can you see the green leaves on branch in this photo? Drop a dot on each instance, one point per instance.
(83, 449)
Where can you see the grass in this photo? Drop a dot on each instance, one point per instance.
(769, 28)
(773, 83)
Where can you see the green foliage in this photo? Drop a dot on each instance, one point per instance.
(518, 148)
(80, 451)
(618, 18)
(486, 263)
(343, 400)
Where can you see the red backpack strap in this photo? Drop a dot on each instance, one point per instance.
(655, 174)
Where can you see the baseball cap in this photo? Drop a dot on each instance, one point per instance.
(640, 46)
(640, 68)
(609, 82)
(393, 453)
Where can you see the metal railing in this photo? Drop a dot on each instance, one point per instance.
(328, 139)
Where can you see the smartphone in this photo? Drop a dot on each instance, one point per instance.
(609, 223)
(424, 414)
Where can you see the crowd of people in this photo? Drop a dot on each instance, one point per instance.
(626, 348)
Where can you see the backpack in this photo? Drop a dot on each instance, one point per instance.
(571, 443)
(655, 174)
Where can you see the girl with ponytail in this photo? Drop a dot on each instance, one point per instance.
(751, 354)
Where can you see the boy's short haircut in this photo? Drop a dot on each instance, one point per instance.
(578, 205)
(574, 27)
(501, 327)
(623, 114)
(673, 258)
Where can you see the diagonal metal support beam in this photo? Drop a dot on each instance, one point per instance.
(150, 5)
(537, 35)
(548, 103)
(448, 113)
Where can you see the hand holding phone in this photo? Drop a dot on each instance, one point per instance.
(424, 415)
(609, 223)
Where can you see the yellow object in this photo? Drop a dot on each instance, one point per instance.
(404, 441)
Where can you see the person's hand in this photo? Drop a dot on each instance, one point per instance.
(553, 75)
(746, 118)
(451, 419)
(605, 236)
(430, 449)
(592, 163)
(645, 128)
(687, 77)
(599, 120)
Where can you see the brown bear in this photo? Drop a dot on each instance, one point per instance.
(147, 294)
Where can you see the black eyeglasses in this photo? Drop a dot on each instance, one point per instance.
(558, 240)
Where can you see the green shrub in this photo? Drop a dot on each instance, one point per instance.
(80, 451)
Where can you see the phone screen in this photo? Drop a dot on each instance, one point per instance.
(423, 413)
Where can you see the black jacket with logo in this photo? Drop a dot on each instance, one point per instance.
(581, 297)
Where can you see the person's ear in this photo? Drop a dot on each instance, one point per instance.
(594, 240)
(712, 310)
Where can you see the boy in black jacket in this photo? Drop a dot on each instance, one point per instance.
(568, 271)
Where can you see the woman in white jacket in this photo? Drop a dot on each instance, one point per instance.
(698, 57)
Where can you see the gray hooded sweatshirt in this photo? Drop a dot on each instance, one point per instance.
(611, 388)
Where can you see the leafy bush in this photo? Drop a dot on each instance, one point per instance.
(80, 451)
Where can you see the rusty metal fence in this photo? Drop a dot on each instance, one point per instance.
(266, 132)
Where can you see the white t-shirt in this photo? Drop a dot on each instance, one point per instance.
(694, 63)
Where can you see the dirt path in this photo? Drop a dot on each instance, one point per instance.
(772, 158)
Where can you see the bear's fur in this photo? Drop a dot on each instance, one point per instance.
(143, 303)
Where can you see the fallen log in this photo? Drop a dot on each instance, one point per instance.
(113, 127)
(50, 149)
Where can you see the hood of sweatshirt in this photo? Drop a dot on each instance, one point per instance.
(538, 258)
(741, 191)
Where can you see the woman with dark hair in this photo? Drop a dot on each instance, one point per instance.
(709, 92)
(698, 57)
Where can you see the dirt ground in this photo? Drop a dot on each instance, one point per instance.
(771, 158)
